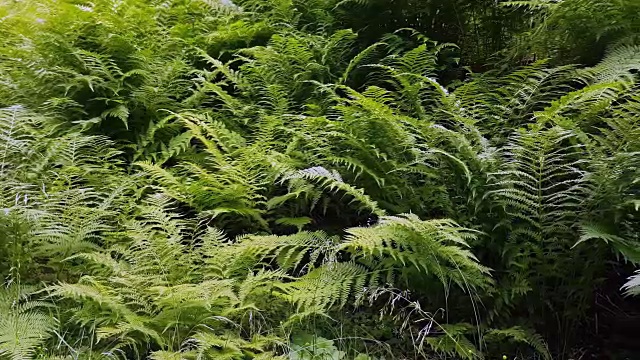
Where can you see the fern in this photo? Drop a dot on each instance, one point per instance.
(328, 286)
(205, 179)
(333, 182)
(519, 334)
(544, 186)
(631, 286)
(289, 252)
(431, 247)
(23, 326)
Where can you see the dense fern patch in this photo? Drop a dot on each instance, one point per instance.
(268, 179)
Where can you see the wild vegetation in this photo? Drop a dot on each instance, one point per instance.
(316, 179)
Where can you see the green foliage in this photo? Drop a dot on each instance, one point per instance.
(193, 179)
(578, 30)
(309, 348)
(23, 326)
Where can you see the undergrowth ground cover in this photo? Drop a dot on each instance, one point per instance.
(317, 179)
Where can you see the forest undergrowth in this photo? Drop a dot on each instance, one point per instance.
(318, 179)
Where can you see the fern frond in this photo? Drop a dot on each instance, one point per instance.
(434, 247)
(23, 328)
(289, 252)
(330, 285)
(519, 334)
(620, 64)
(632, 286)
(333, 182)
